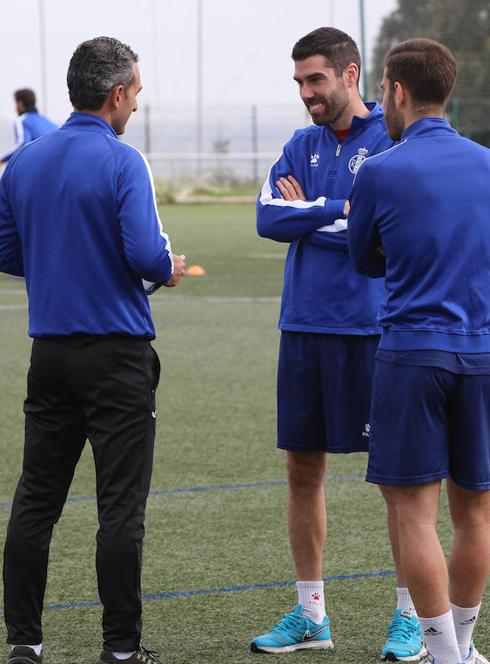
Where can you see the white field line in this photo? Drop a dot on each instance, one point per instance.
(13, 307)
(13, 291)
(213, 299)
(162, 300)
(267, 256)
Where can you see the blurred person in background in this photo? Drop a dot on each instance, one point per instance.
(30, 123)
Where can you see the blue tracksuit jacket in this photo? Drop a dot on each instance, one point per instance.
(78, 219)
(28, 127)
(427, 200)
(322, 291)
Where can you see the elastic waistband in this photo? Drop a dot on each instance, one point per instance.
(81, 339)
(396, 339)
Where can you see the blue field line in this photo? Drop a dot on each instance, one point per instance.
(226, 589)
(204, 489)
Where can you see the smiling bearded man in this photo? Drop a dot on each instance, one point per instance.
(328, 322)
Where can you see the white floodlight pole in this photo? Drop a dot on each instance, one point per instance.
(362, 21)
(154, 49)
(42, 46)
(199, 86)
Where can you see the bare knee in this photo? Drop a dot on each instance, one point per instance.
(469, 509)
(413, 504)
(390, 495)
(306, 469)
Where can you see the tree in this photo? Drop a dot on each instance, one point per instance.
(464, 27)
(222, 174)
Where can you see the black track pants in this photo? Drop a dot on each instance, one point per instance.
(103, 389)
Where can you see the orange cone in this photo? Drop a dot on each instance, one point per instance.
(195, 271)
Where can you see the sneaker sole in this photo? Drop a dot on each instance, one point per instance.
(304, 645)
(391, 657)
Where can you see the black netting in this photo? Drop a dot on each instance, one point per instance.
(463, 26)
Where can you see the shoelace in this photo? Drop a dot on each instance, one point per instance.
(147, 656)
(288, 621)
(402, 627)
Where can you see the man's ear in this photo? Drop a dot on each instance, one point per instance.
(116, 95)
(351, 74)
(400, 94)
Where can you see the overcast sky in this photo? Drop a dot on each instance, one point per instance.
(246, 45)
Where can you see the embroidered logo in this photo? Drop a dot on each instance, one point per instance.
(316, 597)
(432, 631)
(356, 161)
(307, 636)
(314, 159)
(367, 431)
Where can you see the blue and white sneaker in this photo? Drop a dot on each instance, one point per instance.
(294, 632)
(477, 658)
(405, 642)
(473, 657)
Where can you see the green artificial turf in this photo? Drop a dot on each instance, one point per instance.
(217, 342)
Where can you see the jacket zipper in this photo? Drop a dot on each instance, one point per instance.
(337, 155)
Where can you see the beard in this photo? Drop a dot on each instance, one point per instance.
(333, 105)
(393, 117)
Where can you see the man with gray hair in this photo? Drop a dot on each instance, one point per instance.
(78, 219)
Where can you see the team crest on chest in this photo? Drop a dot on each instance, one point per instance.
(356, 161)
(314, 159)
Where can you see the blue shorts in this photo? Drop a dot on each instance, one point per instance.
(427, 424)
(324, 392)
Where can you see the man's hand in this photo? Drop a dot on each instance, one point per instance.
(290, 189)
(346, 208)
(179, 270)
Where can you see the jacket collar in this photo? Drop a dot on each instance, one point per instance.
(89, 122)
(358, 123)
(428, 126)
(375, 113)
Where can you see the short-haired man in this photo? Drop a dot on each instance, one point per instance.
(328, 322)
(30, 124)
(78, 219)
(425, 205)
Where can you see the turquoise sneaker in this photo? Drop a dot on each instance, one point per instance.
(405, 642)
(294, 632)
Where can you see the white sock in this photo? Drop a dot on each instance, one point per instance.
(404, 601)
(440, 637)
(37, 649)
(464, 623)
(123, 655)
(311, 596)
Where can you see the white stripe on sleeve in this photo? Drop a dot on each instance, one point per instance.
(337, 226)
(151, 287)
(19, 129)
(162, 233)
(266, 197)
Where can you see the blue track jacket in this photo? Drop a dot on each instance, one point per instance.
(28, 127)
(322, 291)
(78, 219)
(427, 200)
